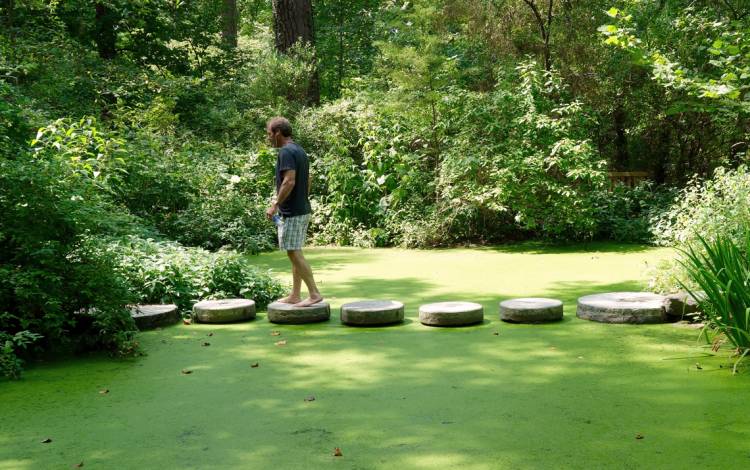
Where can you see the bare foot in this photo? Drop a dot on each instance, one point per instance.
(289, 299)
(312, 300)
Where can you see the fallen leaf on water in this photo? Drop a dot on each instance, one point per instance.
(698, 366)
(639, 436)
(281, 343)
(104, 391)
(185, 321)
(310, 398)
(337, 452)
(210, 334)
(496, 333)
(46, 441)
(78, 465)
(206, 343)
(254, 364)
(275, 333)
(187, 371)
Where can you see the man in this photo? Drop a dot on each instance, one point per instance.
(293, 203)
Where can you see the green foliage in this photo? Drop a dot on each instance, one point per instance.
(718, 208)
(166, 272)
(344, 45)
(720, 71)
(516, 158)
(228, 206)
(10, 348)
(721, 269)
(54, 201)
(625, 214)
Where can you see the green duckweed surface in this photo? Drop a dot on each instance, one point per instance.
(573, 394)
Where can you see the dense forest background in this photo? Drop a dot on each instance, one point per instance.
(134, 165)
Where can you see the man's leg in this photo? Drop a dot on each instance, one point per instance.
(296, 294)
(305, 274)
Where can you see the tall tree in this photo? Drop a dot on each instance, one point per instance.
(345, 32)
(8, 7)
(230, 19)
(292, 24)
(105, 35)
(544, 22)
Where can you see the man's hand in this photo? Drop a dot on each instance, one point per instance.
(271, 211)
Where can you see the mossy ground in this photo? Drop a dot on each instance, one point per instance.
(573, 394)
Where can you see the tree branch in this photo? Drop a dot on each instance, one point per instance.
(735, 13)
(539, 19)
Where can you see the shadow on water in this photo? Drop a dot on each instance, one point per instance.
(329, 259)
(546, 248)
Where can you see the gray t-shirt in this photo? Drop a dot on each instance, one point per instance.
(292, 157)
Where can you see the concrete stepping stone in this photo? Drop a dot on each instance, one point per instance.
(622, 307)
(531, 310)
(451, 314)
(681, 304)
(224, 310)
(279, 312)
(372, 312)
(148, 317)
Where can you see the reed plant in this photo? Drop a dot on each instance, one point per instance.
(720, 267)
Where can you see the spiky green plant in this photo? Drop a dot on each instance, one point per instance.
(721, 269)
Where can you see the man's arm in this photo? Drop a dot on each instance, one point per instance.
(287, 184)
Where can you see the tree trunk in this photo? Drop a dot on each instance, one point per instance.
(293, 23)
(544, 28)
(105, 36)
(622, 158)
(341, 52)
(8, 7)
(230, 19)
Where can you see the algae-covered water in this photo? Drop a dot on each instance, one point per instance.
(573, 394)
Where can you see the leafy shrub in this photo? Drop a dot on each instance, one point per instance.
(234, 108)
(721, 269)
(625, 214)
(166, 272)
(345, 141)
(11, 347)
(227, 204)
(718, 208)
(56, 283)
(194, 191)
(482, 166)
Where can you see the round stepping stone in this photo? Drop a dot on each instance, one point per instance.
(279, 312)
(147, 317)
(622, 307)
(224, 310)
(682, 304)
(372, 312)
(531, 310)
(451, 314)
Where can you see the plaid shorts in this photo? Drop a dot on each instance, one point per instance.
(292, 232)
